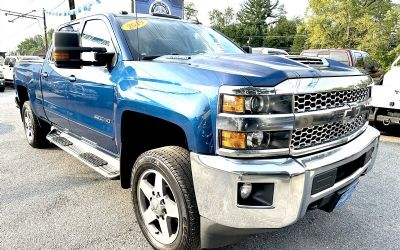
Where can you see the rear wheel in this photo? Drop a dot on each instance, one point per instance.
(164, 199)
(35, 129)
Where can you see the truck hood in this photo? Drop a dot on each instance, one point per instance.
(259, 70)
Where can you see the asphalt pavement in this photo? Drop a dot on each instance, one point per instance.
(49, 200)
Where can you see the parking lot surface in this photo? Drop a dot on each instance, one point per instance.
(49, 200)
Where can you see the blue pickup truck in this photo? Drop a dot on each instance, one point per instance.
(215, 143)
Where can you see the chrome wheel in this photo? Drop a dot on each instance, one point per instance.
(28, 127)
(158, 207)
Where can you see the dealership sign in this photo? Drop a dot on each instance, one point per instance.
(169, 7)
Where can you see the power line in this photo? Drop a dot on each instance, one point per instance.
(21, 16)
(29, 16)
(58, 5)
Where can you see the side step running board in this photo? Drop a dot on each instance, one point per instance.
(102, 163)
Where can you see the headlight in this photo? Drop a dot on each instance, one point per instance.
(259, 140)
(267, 104)
(254, 122)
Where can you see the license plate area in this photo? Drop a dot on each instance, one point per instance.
(337, 199)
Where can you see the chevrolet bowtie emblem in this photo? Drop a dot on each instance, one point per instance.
(353, 112)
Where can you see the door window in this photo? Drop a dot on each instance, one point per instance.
(95, 34)
(71, 27)
(359, 60)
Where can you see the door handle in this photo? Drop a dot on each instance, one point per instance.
(72, 78)
(397, 91)
(45, 75)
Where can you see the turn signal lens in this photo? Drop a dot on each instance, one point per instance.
(233, 140)
(233, 104)
(61, 55)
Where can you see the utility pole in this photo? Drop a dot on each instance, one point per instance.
(71, 7)
(29, 16)
(133, 6)
(45, 30)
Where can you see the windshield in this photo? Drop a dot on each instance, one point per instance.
(9, 60)
(158, 37)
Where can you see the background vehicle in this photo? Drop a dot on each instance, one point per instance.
(2, 83)
(9, 63)
(8, 68)
(269, 51)
(386, 98)
(214, 143)
(354, 58)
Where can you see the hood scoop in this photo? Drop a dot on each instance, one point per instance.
(310, 61)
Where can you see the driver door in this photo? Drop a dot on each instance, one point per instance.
(91, 91)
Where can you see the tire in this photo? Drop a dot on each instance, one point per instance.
(2, 89)
(35, 129)
(176, 207)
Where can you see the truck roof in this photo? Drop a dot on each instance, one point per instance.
(129, 14)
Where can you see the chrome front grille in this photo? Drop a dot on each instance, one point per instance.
(328, 100)
(316, 135)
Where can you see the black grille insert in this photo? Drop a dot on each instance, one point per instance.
(328, 179)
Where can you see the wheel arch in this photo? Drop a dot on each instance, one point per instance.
(141, 132)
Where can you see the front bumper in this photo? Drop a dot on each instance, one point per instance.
(216, 181)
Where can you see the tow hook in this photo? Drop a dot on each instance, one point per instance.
(386, 122)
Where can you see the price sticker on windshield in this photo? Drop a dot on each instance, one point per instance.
(134, 24)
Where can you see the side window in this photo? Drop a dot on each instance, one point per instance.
(359, 60)
(95, 34)
(71, 27)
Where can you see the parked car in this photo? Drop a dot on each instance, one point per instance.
(2, 83)
(386, 98)
(215, 143)
(354, 58)
(9, 63)
(269, 51)
(8, 68)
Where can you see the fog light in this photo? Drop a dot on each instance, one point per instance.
(245, 190)
(255, 139)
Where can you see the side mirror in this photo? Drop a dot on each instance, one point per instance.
(68, 50)
(11, 64)
(247, 49)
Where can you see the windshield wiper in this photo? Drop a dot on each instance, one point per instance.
(149, 58)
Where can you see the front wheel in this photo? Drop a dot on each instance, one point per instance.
(35, 129)
(164, 200)
(2, 89)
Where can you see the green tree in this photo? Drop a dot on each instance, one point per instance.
(34, 44)
(282, 33)
(190, 11)
(221, 19)
(257, 15)
(299, 41)
(367, 25)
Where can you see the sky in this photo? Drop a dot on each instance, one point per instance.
(13, 33)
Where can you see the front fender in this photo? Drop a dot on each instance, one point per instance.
(189, 108)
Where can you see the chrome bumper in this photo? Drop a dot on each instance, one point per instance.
(216, 181)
